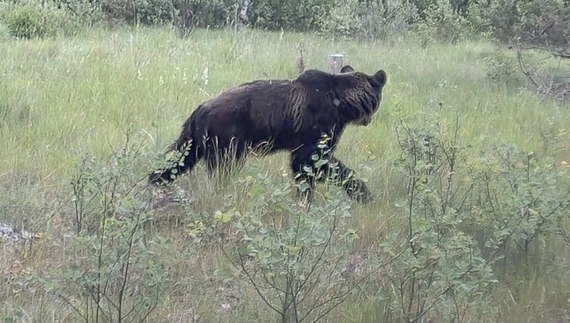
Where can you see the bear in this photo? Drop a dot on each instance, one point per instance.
(305, 116)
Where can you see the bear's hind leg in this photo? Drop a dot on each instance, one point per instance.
(189, 156)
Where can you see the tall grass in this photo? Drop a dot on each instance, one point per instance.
(66, 94)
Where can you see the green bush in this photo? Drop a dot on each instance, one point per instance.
(442, 274)
(146, 12)
(342, 20)
(86, 11)
(298, 15)
(110, 271)
(462, 214)
(441, 23)
(501, 67)
(387, 19)
(30, 19)
(542, 21)
(209, 14)
(295, 255)
(370, 20)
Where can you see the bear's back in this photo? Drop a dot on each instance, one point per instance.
(253, 111)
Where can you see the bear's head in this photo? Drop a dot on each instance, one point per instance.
(365, 91)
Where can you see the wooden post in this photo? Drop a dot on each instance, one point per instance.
(336, 62)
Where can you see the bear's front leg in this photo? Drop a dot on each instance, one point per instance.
(315, 164)
(345, 177)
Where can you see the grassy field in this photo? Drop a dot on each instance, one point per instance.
(61, 96)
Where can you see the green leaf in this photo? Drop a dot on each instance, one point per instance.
(223, 217)
(321, 162)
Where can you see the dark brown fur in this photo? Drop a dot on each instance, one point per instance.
(293, 115)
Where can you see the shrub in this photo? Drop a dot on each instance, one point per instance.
(368, 20)
(442, 275)
(146, 12)
(543, 21)
(110, 270)
(30, 19)
(500, 67)
(295, 255)
(298, 15)
(342, 20)
(87, 11)
(387, 19)
(441, 23)
(461, 214)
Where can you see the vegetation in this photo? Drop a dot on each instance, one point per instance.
(468, 163)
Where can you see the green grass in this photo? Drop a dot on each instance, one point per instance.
(61, 95)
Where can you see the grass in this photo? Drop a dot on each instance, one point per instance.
(66, 94)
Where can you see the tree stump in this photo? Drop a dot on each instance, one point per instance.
(336, 62)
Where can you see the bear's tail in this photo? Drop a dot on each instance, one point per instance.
(188, 153)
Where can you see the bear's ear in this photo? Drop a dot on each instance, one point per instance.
(380, 78)
(346, 69)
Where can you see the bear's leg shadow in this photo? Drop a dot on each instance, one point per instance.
(309, 166)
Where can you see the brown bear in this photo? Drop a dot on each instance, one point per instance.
(303, 116)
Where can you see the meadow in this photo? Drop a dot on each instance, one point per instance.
(64, 101)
